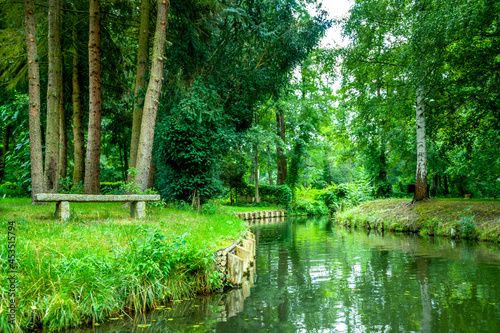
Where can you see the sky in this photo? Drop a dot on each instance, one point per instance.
(336, 9)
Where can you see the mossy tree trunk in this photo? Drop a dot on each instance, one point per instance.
(281, 158)
(140, 82)
(78, 135)
(63, 140)
(51, 172)
(144, 150)
(34, 101)
(92, 171)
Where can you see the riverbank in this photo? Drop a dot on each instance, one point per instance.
(101, 264)
(456, 218)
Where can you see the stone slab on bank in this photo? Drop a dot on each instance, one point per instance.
(137, 202)
(260, 214)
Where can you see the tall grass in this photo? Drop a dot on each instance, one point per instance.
(102, 263)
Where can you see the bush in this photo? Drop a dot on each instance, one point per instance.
(280, 195)
(338, 197)
(13, 190)
(112, 188)
(309, 207)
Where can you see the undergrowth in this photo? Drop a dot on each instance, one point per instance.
(89, 269)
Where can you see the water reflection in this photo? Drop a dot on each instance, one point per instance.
(314, 277)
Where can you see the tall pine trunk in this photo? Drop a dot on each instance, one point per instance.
(78, 135)
(92, 171)
(421, 176)
(281, 158)
(34, 101)
(140, 82)
(151, 100)
(63, 140)
(51, 172)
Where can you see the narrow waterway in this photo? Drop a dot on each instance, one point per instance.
(313, 277)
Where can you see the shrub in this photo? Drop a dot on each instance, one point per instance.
(309, 207)
(281, 195)
(112, 188)
(338, 197)
(13, 190)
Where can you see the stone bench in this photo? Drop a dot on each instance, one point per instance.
(137, 202)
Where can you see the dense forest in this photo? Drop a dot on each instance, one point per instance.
(223, 99)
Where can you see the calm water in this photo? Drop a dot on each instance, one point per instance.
(313, 277)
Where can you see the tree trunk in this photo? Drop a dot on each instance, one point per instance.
(270, 174)
(78, 135)
(151, 100)
(92, 171)
(445, 181)
(140, 82)
(256, 159)
(51, 172)
(63, 140)
(421, 176)
(281, 158)
(36, 157)
(230, 194)
(151, 179)
(5, 149)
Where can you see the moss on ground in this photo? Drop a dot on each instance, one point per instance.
(457, 218)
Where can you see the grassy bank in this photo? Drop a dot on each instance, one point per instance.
(457, 218)
(102, 263)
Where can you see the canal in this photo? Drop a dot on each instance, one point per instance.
(313, 277)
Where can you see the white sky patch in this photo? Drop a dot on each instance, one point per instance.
(337, 9)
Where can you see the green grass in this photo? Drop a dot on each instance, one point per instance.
(102, 263)
(458, 218)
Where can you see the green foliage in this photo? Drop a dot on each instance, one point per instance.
(281, 195)
(12, 190)
(112, 187)
(233, 168)
(190, 138)
(339, 197)
(309, 207)
(467, 226)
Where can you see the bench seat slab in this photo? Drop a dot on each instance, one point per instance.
(55, 197)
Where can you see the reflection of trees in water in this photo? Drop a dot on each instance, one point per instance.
(425, 293)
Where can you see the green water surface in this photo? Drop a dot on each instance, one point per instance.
(313, 277)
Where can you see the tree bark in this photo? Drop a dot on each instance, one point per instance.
(445, 180)
(5, 149)
(78, 135)
(270, 174)
(421, 176)
(36, 157)
(256, 159)
(51, 172)
(92, 171)
(281, 158)
(140, 82)
(151, 100)
(63, 140)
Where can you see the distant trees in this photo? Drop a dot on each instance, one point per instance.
(402, 56)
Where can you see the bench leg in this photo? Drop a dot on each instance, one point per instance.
(138, 209)
(62, 210)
